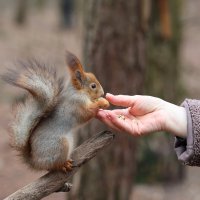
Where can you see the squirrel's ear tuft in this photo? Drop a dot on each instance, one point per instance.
(73, 62)
(76, 70)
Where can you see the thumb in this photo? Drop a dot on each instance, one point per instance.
(121, 100)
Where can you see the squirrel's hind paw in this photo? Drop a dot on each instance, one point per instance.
(68, 166)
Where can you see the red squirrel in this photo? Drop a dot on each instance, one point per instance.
(52, 109)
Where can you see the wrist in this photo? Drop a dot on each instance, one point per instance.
(176, 120)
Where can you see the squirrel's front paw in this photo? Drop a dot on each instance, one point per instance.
(103, 103)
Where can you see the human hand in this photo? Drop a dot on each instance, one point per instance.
(143, 115)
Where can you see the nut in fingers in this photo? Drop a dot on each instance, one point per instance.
(103, 103)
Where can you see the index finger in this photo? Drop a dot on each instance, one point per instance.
(121, 100)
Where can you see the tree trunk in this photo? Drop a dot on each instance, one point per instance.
(66, 11)
(21, 13)
(162, 80)
(114, 51)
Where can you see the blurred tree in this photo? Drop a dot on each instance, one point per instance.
(40, 4)
(23, 7)
(162, 80)
(66, 10)
(21, 12)
(115, 51)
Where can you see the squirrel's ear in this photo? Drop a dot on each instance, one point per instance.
(73, 62)
(76, 70)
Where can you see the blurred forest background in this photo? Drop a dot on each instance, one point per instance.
(146, 47)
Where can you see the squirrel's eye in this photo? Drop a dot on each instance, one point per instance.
(93, 85)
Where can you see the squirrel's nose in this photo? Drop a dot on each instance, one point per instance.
(101, 92)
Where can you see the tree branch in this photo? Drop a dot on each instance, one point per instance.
(54, 181)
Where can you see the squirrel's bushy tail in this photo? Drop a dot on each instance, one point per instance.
(44, 93)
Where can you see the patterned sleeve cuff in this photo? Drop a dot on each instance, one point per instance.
(188, 150)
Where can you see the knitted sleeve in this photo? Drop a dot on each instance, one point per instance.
(188, 150)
